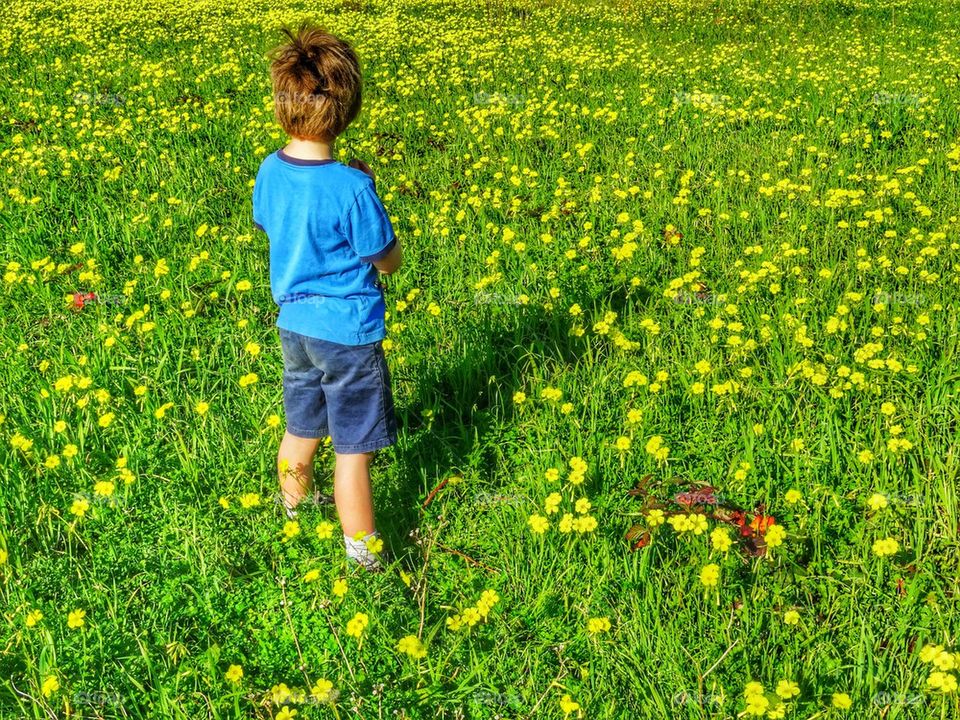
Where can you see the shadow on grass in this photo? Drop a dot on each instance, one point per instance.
(470, 391)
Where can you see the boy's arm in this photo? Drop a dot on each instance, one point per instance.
(370, 233)
(392, 261)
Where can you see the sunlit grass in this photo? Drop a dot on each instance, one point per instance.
(673, 348)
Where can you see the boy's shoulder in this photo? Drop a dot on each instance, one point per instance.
(277, 160)
(349, 181)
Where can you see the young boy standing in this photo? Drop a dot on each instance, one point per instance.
(329, 237)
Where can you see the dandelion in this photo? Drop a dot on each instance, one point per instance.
(50, 685)
(162, 410)
(584, 524)
(374, 544)
(656, 448)
(538, 524)
(774, 536)
(710, 575)
(791, 617)
(885, 547)
(578, 469)
(841, 701)
(412, 646)
(698, 523)
(290, 530)
(757, 705)
(598, 625)
(877, 501)
(787, 689)
(720, 539)
(793, 496)
(552, 502)
(249, 500)
(80, 507)
(322, 690)
(945, 661)
(568, 705)
(357, 625)
(942, 681)
(104, 488)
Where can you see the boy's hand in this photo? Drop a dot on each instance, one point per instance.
(362, 167)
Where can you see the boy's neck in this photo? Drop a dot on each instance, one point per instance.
(305, 149)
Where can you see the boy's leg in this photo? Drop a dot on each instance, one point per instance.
(352, 493)
(295, 467)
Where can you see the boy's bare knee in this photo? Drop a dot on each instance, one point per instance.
(355, 458)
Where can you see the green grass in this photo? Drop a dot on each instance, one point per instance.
(765, 133)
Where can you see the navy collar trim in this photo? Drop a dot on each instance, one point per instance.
(302, 162)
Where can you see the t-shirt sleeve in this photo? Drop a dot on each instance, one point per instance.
(368, 228)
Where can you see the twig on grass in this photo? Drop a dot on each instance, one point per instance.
(32, 699)
(720, 659)
(433, 492)
(469, 559)
(337, 638)
(422, 587)
(296, 641)
(555, 683)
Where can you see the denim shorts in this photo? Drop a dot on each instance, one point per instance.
(338, 390)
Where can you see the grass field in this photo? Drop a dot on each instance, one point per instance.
(674, 352)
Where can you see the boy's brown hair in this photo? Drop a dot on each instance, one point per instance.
(316, 84)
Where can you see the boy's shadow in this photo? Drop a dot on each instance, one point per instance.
(470, 389)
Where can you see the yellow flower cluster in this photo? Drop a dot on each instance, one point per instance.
(946, 664)
(760, 703)
(412, 646)
(470, 616)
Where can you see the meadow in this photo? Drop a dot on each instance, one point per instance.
(674, 352)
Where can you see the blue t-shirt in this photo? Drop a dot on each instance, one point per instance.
(326, 226)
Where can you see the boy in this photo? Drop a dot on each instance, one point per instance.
(329, 236)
